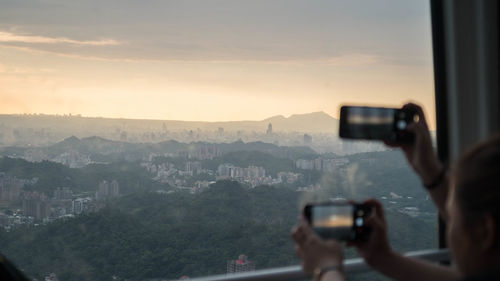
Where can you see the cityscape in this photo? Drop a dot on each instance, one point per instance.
(171, 140)
(53, 183)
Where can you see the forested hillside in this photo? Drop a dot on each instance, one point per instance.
(151, 235)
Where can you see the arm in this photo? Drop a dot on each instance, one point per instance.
(332, 276)
(318, 254)
(422, 158)
(377, 253)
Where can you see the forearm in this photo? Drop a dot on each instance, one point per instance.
(434, 177)
(399, 267)
(439, 195)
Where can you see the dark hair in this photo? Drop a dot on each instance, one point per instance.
(477, 180)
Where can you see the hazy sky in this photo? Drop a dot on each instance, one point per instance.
(212, 59)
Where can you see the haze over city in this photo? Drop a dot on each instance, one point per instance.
(212, 60)
(174, 139)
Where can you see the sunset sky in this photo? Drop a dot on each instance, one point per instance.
(212, 60)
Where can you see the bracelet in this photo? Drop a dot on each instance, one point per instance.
(320, 271)
(438, 181)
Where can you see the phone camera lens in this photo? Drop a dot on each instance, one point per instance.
(359, 222)
(401, 125)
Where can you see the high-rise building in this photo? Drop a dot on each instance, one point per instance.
(193, 167)
(107, 190)
(36, 205)
(269, 129)
(304, 164)
(102, 190)
(10, 188)
(224, 170)
(63, 193)
(205, 152)
(114, 189)
(307, 139)
(242, 264)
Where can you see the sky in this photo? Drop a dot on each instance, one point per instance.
(212, 60)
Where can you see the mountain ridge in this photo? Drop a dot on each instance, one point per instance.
(306, 122)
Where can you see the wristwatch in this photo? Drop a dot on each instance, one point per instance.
(320, 271)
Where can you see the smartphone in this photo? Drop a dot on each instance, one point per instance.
(375, 123)
(340, 221)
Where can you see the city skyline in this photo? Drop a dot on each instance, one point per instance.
(212, 61)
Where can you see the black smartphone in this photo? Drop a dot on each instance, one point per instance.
(375, 123)
(340, 221)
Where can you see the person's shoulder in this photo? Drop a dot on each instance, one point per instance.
(488, 276)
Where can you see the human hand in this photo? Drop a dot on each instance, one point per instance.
(420, 153)
(376, 249)
(314, 251)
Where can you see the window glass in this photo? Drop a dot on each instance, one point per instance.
(160, 140)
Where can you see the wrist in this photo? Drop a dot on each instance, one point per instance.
(329, 272)
(437, 181)
(431, 172)
(383, 258)
(332, 275)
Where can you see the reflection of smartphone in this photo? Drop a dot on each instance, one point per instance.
(340, 221)
(375, 123)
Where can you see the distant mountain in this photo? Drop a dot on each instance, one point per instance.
(309, 122)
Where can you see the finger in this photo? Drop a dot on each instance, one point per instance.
(374, 222)
(392, 143)
(305, 227)
(293, 232)
(412, 128)
(298, 251)
(310, 241)
(303, 220)
(418, 129)
(379, 210)
(298, 235)
(416, 109)
(303, 235)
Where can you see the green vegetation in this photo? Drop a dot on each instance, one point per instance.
(149, 235)
(131, 177)
(146, 234)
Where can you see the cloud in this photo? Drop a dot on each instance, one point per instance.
(7, 37)
(352, 60)
(16, 69)
(225, 31)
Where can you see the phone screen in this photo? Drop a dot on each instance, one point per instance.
(332, 221)
(367, 122)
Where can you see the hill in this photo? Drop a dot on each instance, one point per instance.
(36, 130)
(148, 235)
(50, 175)
(99, 149)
